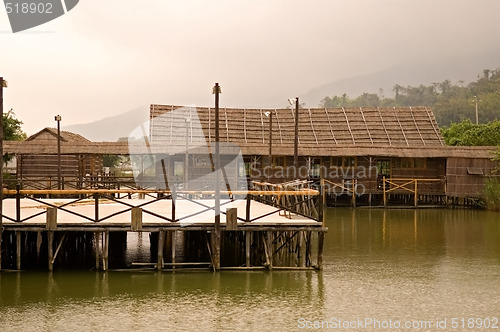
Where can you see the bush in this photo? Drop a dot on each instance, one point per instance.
(491, 193)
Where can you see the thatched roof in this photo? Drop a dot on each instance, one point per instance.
(26, 147)
(387, 132)
(48, 135)
(318, 127)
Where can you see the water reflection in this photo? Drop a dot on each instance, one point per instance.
(383, 264)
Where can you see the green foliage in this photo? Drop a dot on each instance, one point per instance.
(111, 160)
(451, 103)
(12, 131)
(12, 128)
(491, 193)
(467, 133)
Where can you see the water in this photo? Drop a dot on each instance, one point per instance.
(384, 267)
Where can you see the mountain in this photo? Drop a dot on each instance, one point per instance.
(111, 128)
(466, 69)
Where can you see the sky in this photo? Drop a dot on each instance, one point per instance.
(104, 58)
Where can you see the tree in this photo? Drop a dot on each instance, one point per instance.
(12, 131)
(12, 128)
(467, 133)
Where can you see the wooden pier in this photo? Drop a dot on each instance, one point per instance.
(273, 229)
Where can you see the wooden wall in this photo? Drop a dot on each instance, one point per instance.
(47, 165)
(466, 176)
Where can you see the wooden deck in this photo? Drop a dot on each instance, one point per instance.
(191, 215)
(258, 229)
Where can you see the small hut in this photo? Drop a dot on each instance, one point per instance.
(41, 169)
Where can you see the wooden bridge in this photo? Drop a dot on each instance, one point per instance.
(259, 229)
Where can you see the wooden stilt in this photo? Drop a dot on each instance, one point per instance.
(321, 239)
(416, 193)
(268, 242)
(161, 245)
(97, 250)
(301, 255)
(308, 249)
(1, 236)
(51, 225)
(105, 249)
(385, 193)
(247, 247)
(173, 249)
(18, 250)
(50, 249)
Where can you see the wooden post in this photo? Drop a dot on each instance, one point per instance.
(18, 250)
(385, 194)
(301, 256)
(248, 240)
(173, 248)
(97, 250)
(308, 248)
(161, 245)
(321, 239)
(353, 192)
(50, 249)
(217, 229)
(416, 193)
(105, 249)
(18, 203)
(96, 207)
(51, 219)
(268, 249)
(136, 219)
(1, 236)
(231, 219)
(247, 211)
(173, 195)
(321, 201)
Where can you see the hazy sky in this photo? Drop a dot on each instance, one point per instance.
(107, 57)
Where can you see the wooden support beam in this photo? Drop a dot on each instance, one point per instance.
(18, 250)
(301, 256)
(97, 236)
(231, 219)
(268, 251)
(416, 193)
(105, 249)
(308, 249)
(51, 219)
(247, 211)
(58, 248)
(161, 245)
(136, 219)
(321, 239)
(385, 193)
(50, 249)
(96, 207)
(248, 239)
(173, 242)
(1, 236)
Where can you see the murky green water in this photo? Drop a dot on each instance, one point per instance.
(385, 267)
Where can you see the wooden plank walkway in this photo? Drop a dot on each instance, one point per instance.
(185, 211)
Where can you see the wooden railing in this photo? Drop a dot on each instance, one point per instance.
(280, 199)
(404, 185)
